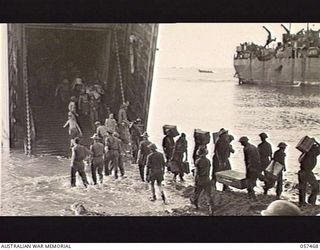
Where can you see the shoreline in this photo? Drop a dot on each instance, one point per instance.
(51, 194)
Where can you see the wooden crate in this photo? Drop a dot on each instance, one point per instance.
(232, 178)
(170, 130)
(202, 137)
(273, 170)
(305, 144)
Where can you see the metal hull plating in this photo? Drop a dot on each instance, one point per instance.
(276, 71)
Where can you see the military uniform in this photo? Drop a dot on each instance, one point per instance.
(305, 175)
(168, 146)
(220, 160)
(279, 156)
(155, 164)
(79, 153)
(202, 181)
(180, 148)
(102, 131)
(265, 152)
(143, 153)
(97, 152)
(114, 150)
(253, 169)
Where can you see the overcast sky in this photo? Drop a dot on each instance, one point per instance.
(212, 45)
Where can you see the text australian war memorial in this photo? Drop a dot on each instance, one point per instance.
(50, 63)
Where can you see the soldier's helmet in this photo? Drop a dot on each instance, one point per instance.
(97, 123)
(116, 134)
(281, 208)
(263, 135)
(243, 139)
(282, 145)
(145, 135)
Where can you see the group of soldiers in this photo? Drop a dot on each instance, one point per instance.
(152, 164)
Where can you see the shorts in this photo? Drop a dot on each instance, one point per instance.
(74, 132)
(156, 176)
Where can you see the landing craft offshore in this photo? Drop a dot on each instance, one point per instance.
(294, 61)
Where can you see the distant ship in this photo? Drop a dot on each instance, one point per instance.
(294, 61)
(205, 71)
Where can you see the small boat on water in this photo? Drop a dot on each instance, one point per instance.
(205, 71)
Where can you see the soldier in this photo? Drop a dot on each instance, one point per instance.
(123, 125)
(107, 155)
(136, 130)
(220, 160)
(121, 153)
(252, 162)
(155, 164)
(111, 123)
(279, 156)
(114, 150)
(79, 153)
(143, 152)
(202, 180)
(97, 152)
(308, 161)
(168, 146)
(180, 149)
(265, 151)
(102, 130)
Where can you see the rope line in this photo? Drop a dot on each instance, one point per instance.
(119, 65)
(28, 147)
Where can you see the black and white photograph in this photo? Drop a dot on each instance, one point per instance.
(160, 119)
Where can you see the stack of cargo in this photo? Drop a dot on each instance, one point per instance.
(170, 130)
(201, 137)
(305, 144)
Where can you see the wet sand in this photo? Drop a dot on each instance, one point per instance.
(40, 186)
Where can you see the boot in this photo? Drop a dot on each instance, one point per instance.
(154, 198)
(194, 203)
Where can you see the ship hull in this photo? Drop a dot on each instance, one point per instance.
(277, 71)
